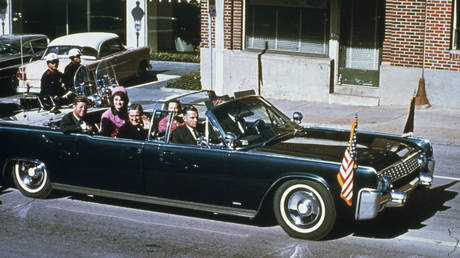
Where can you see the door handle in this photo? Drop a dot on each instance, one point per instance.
(164, 155)
(45, 139)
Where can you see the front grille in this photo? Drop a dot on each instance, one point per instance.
(402, 169)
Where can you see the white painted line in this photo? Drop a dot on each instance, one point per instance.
(149, 223)
(428, 241)
(448, 177)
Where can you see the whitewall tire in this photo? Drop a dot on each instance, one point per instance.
(304, 209)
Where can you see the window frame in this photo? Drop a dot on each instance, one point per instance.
(249, 31)
(455, 26)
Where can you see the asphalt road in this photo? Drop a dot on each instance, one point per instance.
(70, 225)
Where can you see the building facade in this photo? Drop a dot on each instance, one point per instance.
(153, 23)
(364, 52)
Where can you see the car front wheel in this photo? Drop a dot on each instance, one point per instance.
(304, 209)
(32, 179)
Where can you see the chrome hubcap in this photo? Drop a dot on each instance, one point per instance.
(303, 208)
(31, 175)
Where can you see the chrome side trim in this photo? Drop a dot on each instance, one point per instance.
(156, 200)
(368, 204)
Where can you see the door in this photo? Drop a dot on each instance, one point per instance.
(108, 164)
(361, 41)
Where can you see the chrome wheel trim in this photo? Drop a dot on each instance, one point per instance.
(302, 208)
(31, 177)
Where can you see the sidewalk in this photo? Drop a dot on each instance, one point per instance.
(437, 125)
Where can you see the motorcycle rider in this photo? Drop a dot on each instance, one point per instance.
(51, 82)
(71, 68)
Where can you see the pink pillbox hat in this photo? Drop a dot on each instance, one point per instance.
(119, 89)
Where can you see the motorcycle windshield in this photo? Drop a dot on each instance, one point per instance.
(105, 76)
(84, 83)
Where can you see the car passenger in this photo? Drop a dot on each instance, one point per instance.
(172, 105)
(117, 114)
(137, 126)
(75, 122)
(188, 132)
(71, 68)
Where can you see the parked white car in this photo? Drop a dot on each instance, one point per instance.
(95, 48)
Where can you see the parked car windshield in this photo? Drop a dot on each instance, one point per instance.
(8, 48)
(64, 50)
(253, 120)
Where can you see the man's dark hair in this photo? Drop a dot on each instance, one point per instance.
(137, 107)
(80, 98)
(173, 101)
(190, 108)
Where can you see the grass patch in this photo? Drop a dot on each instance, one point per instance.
(188, 81)
(175, 57)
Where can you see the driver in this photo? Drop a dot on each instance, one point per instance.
(71, 68)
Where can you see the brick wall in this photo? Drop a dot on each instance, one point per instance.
(233, 24)
(405, 34)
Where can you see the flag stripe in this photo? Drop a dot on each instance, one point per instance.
(345, 176)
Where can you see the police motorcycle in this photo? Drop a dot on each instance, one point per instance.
(96, 85)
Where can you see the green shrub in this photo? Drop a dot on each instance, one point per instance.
(176, 57)
(188, 81)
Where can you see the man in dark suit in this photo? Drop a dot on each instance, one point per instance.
(74, 122)
(187, 133)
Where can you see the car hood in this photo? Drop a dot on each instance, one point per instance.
(375, 151)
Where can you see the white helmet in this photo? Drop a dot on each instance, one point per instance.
(51, 57)
(74, 52)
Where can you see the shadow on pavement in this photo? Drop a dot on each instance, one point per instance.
(151, 76)
(393, 222)
(263, 222)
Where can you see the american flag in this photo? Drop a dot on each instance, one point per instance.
(349, 164)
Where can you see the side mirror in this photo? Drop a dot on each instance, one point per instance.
(230, 139)
(297, 117)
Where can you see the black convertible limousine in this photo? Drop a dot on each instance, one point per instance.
(275, 162)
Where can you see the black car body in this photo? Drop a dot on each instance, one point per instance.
(33, 47)
(275, 162)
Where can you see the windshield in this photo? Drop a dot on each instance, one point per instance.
(8, 48)
(253, 120)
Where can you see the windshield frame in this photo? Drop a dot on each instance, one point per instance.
(287, 128)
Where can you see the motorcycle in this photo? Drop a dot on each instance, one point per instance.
(97, 86)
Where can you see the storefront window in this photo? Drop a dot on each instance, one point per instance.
(289, 26)
(55, 18)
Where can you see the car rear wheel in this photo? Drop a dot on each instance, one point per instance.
(32, 179)
(304, 209)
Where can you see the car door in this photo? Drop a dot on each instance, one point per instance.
(108, 164)
(192, 173)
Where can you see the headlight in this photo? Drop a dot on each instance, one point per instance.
(422, 160)
(384, 184)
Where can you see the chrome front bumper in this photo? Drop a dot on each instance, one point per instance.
(371, 201)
